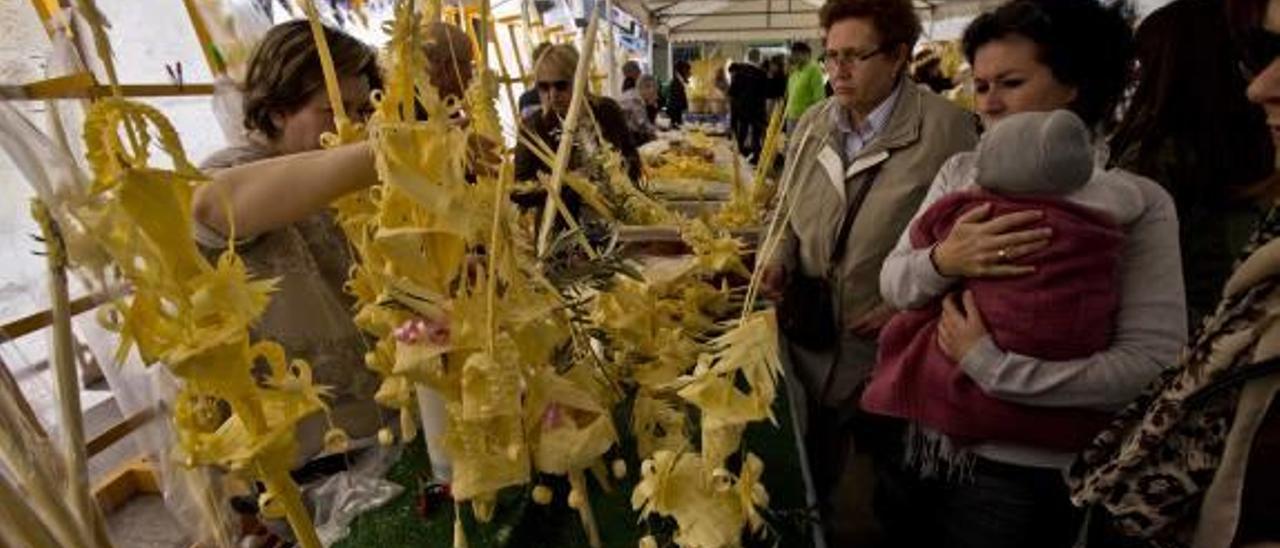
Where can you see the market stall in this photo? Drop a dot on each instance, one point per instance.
(550, 390)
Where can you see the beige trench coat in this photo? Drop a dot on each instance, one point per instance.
(900, 163)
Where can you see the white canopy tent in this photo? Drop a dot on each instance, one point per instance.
(776, 20)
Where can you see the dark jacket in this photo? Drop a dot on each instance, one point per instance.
(776, 86)
(747, 88)
(613, 126)
(1213, 225)
(677, 101)
(528, 100)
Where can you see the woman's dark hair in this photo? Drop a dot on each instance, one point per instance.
(1245, 15)
(801, 47)
(284, 71)
(895, 20)
(1256, 46)
(1085, 44)
(1190, 126)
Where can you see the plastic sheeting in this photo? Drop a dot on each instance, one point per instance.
(190, 495)
(338, 499)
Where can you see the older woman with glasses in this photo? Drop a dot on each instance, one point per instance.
(553, 75)
(861, 162)
(1027, 56)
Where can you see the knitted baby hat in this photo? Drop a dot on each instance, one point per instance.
(1036, 153)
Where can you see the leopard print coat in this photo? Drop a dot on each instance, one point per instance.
(1150, 469)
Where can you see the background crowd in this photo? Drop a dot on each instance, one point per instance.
(1091, 257)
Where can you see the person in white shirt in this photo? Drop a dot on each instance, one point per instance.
(637, 103)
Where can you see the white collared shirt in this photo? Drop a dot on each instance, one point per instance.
(856, 139)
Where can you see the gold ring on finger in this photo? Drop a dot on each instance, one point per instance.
(1003, 254)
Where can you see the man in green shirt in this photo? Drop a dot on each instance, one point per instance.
(804, 85)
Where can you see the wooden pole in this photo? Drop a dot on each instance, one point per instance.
(46, 9)
(331, 84)
(569, 126)
(525, 75)
(207, 47)
(25, 451)
(24, 525)
(610, 53)
(492, 32)
(9, 385)
(30, 462)
(71, 431)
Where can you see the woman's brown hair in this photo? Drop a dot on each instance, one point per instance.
(1189, 125)
(284, 71)
(895, 20)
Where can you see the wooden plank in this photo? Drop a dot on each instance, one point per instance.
(117, 432)
(45, 90)
(9, 387)
(525, 75)
(51, 86)
(133, 478)
(116, 489)
(147, 480)
(40, 320)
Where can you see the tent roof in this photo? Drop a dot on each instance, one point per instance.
(763, 20)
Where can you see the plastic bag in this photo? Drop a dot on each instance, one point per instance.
(66, 117)
(235, 27)
(338, 499)
(228, 108)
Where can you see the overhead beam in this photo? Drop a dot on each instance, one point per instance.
(97, 91)
(736, 13)
(31, 323)
(748, 34)
(636, 9)
(658, 10)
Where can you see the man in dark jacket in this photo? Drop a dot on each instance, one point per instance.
(747, 86)
(677, 99)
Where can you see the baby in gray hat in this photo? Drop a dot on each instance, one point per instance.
(1064, 310)
(1036, 153)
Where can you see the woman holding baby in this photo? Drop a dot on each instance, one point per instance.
(1041, 293)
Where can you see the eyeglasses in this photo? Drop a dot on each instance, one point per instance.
(559, 85)
(1258, 48)
(849, 56)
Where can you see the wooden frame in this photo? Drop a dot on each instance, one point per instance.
(131, 479)
(36, 321)
(62, 88)
(139, 476)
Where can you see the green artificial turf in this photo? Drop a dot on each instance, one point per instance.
(519, 522)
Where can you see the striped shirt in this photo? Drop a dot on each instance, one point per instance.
(856, 139)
